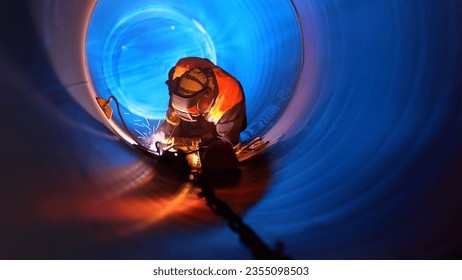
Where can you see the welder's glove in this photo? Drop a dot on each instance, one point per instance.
(158, 141)
(162, 137)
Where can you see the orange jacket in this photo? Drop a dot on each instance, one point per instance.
(228, 112)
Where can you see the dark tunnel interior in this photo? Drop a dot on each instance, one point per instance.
(361, 102)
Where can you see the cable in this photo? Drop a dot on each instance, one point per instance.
(138, 144)
(260, 250)
(248, 237)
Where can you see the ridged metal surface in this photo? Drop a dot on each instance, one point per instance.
(365, 163)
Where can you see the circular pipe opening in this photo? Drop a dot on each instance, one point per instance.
(131, 47)
(368, 168)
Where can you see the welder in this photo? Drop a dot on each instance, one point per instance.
(206, 103)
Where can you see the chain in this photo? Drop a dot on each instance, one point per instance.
(247, 236)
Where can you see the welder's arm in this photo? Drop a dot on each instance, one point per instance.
(166, 129)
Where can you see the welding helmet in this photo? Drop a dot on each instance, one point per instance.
(193, 93)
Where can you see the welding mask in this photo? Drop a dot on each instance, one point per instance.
(193, 93)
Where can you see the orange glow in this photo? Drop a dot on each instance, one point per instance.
(139, 199)
(128, 214)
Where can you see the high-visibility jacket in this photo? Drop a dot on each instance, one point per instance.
(227, 116)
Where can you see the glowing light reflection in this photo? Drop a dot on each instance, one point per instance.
(131, 48)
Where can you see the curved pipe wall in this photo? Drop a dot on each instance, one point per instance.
(367, 164)
(132, 46)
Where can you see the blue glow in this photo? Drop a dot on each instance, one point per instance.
(132, 46)
(369, 168)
